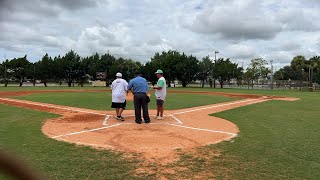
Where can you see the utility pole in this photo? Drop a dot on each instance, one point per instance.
(310, 75)
(215, 59)
(271, 61)
(34, 75)
(5, 71)
(215, 55)
(242, 73)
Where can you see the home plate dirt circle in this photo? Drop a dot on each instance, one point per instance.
(181, 129)
(158, 140)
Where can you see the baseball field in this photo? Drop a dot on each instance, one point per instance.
(71, 133)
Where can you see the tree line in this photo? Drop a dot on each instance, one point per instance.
(301, 69)
(72, 68)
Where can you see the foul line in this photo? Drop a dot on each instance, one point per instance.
(175, 118)
(50, 106)
(104, 123)
(208, 130)
(221, 105)
(80, 132)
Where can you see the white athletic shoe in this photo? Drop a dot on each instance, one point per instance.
(159, 117)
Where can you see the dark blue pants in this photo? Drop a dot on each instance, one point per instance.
(140, 101)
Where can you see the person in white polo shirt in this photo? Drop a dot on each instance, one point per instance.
(119, 93)
(161, 92)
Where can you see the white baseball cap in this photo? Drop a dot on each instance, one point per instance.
(118, 75)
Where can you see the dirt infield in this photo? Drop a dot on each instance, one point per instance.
(159, 140)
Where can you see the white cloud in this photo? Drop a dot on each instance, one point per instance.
(241, 51)
(236, 20)
(238, 29)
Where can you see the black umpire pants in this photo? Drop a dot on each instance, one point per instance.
(140, 100)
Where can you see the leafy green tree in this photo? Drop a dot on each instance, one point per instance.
(44, 69)
(186, 69)
(174, 65)
(247, 76)
(257, 70)
(284, 73)
(315, 71)
(1, 71)
(5, 74)
(205, 69)
(105, 64)
(299, 67)
(81, 75)
(225, 70)
(70, 66)
(167, 61)
(58, 69)
(92, 64)
(20, 68)
(148, 71)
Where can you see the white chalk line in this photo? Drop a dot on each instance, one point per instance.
(108, 116)
(221, 105)
(200, 129)
(51, 106)
(181, 126)
(104, 123)
(85, 131)
(175, 118)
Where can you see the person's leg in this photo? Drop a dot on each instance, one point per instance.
(137, 107)
(158, 110)
(122, 107)
(145, 109)
(160, 107)
(120, 111)
(117, 111)
(161, 110)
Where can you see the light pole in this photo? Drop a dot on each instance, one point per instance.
(34, 75)
(241, 72)
(215, 55)
(310, 75)
(302, 73)
(271, 61)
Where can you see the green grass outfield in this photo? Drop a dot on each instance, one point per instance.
(277, 140)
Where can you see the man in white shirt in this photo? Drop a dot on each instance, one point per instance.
(119, 93)
(161, 92)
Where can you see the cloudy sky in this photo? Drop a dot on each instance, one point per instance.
(241, 30)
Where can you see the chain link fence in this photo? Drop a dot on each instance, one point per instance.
(263, 85)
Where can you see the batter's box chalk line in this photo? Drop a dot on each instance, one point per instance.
(105, 121)
(118, 124)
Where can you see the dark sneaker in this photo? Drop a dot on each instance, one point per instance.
(121, 118)
(147, 121)
(138, 122)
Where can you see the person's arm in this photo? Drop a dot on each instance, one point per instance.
(130, 86)
(159, 85)
(147, 86)
(126, 87)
